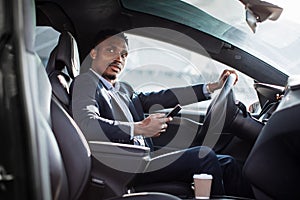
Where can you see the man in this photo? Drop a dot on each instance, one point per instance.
(108, 110)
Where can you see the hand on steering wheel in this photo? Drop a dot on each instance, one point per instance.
(211, 87)
(220, 112)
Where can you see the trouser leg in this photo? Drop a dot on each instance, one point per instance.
(182, 165)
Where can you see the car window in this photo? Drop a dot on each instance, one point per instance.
(212, 17)
(45, 40)
(153, 65)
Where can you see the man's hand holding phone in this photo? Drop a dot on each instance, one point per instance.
(174, 111)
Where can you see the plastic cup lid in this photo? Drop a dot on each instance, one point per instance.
(203, 176)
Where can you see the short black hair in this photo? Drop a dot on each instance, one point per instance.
(104, 34)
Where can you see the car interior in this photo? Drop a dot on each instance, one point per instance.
(60, 90)
(267, 143)
(71, 164)
(65, 57)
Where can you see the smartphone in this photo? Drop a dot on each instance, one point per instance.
(174, 111)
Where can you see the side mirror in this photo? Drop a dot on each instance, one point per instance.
(254, 108)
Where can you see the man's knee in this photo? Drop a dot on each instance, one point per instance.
(204, 152)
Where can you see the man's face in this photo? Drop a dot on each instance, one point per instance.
(109, 57)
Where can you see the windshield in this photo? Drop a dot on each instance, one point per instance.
(276, 42)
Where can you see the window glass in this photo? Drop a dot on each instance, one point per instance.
(213, 18)
(45, 40)
(154, 65)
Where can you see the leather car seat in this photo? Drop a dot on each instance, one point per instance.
(62, 67)
(273, 164)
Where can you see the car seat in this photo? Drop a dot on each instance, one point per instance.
(62, 67)
(273, 164)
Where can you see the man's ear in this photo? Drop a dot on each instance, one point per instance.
(93, 53)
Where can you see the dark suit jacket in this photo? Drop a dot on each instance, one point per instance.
(100, 117)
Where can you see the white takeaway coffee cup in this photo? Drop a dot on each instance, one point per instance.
(202, 185)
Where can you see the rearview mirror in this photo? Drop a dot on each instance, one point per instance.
(251, 20)
(259, 11)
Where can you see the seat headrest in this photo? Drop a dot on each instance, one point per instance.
(65, 54)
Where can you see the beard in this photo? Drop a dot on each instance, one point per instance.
(111, 77)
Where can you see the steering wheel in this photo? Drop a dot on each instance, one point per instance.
(221, 112)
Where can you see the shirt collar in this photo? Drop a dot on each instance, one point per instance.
(106, 83)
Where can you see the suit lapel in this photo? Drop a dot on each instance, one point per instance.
(137, 116)
(130, 105)
(120, 112)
